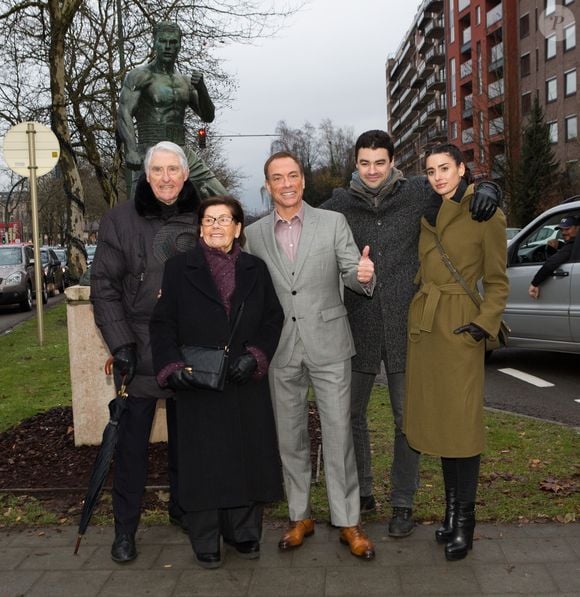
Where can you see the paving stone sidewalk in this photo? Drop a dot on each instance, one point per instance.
(533, 559)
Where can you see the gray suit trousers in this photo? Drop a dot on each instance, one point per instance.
(289, 389)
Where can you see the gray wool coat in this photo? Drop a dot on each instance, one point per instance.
(391, 229)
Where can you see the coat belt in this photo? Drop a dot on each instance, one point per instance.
(433, 294)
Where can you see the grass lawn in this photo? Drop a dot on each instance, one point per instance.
(530, 469)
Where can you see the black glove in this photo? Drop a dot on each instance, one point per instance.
(242, 368)
(485, 201)
(476, 332)
(125, 362)
(180, 380)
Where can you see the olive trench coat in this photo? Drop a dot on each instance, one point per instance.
(227, 445)
(445, 371)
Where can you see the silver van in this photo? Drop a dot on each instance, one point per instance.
(551, 322)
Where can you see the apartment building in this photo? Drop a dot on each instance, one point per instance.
(416, 88)
(549, 61)
(466, 72)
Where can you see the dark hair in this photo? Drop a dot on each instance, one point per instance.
(230, 202)
(166, 27)
(279, 155)
(375, 139)
(455, 154)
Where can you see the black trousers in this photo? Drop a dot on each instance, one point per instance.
(235, 525)
(131, 456)
(462, 474)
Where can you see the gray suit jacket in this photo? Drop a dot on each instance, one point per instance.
(311, 294)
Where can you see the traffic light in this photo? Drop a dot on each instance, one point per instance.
(202, 138)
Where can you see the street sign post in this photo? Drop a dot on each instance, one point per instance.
(31, 149)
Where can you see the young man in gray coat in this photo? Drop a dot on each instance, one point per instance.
(384, 209)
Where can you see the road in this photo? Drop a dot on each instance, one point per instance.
(11, 315)
(554, 402)
(559, 401)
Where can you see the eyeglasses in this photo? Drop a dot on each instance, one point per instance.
(221, 220)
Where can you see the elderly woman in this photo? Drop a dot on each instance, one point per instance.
(228, 456)
(446, 348)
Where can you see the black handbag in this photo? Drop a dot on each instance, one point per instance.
(502, 336)
(207, 366)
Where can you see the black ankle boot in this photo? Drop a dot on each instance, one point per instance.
(463, 525)
(445, 532)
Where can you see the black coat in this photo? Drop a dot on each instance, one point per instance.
(228, 454)
(127, 270)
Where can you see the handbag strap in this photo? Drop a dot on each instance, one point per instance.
(476, 298)
(238, 316)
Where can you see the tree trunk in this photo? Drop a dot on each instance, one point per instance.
(61, 13)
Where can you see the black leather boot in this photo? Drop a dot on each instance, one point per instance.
(444, 533)
(463, 526)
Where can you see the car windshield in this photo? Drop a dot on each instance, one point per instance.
(61, 254)
(10, 256)
(44, 257)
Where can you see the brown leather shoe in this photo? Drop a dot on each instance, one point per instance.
(360, 545)
(294, 535)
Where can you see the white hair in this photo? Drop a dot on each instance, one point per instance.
(168, 146)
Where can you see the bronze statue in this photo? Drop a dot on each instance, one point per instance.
(154, 97)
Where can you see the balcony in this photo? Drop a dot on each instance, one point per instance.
(465, 69)
(466, 40)
(495, 89)
(435, 28)
(467, 135)
(425, 95)
(437, 131)
(467, 111)
(496, 126)
(436, 81)
(437, 107)
(496, 57)
(494, 15)
(435, 54)
(422, 121)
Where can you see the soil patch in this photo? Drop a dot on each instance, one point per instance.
(38, 457)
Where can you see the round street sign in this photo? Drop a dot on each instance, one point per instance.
(16, 152)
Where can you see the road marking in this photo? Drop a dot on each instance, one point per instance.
(531, 379)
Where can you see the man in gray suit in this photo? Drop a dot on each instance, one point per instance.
(308, 251)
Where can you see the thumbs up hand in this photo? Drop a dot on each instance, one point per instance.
(366, 268)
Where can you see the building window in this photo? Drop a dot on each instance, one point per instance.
(551, 90)
(550, 7)
(478, 15)
(553, 131)
(569, 37)
(452, 82)
(550, 46)
(566, 2)
(571, 125)
(479, 69)
(453, 130)
(525, 65)
(524, 26)
(570, 82)
(451, 21)
(526, 102)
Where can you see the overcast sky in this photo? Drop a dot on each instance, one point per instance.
(329, 62)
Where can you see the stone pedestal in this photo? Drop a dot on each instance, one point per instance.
(92, 390)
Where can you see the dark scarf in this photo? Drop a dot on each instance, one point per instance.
(375, 196)
(436, 201)
(222, 267)
(147, 205)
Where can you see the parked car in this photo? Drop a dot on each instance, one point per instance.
(90, 249)
(52, 268)
(62, 257)
(17, 285)
(551, 322)
(511, 232)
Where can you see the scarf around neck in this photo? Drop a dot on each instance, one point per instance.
(375, 196)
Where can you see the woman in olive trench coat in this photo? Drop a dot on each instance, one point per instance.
(446, 339)
(228, 454)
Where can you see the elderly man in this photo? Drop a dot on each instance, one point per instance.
(308, 252)
(135, 238)
(156, 96)
(569, 227)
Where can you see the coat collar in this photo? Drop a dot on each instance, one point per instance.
(147, 205)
